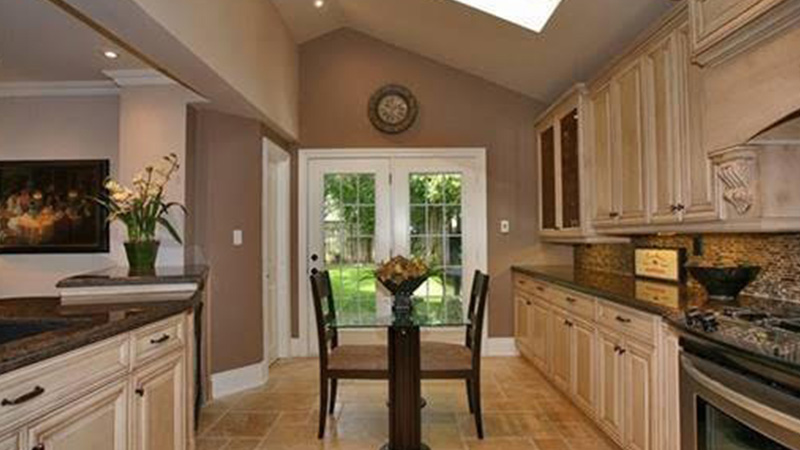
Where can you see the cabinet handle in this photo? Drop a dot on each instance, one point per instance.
(623, 319)
(139, 392)
(37, 391)
(571, 300)
(613, 214)
(568, 323)
(38, 447)
(528, 302)
(160, 340)
(622, 351)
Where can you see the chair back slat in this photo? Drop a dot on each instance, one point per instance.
(325, 313)
(478, 297)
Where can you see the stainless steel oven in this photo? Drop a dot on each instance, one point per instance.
(732, 402)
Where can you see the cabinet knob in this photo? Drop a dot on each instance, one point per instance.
(613, 214)
(622, 351)
(38, 447)
(139, 392)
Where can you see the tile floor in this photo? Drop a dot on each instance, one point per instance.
(521, 411)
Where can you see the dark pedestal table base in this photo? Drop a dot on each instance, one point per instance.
(405, 403)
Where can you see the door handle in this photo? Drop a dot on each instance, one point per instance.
(314, 257)
(314, 271)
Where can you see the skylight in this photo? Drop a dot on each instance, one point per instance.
(530, 14)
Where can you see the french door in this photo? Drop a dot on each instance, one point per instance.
(364, 210)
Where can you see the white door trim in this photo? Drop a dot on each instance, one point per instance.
(300, 345)
(272, 154)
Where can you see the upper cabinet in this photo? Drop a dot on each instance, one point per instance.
(563, 171)
(724, 28)
(649, 171)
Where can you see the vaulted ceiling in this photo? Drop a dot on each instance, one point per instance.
(581, 36)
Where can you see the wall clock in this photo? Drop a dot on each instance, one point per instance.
(393, 109)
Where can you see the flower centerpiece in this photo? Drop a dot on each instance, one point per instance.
(402, 276)
(142, 208)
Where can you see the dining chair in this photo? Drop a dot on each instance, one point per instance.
(445, 361)
(336, 362)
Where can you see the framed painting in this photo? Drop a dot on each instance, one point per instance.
(47, 206)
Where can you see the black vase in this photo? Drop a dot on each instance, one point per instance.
(402, 302)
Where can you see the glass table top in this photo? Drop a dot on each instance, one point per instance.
(421, 317)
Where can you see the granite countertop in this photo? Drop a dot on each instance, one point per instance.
(122, 276)
(73, 326)
(622, 289)
(762, 341)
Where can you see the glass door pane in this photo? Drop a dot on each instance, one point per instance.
(348, 228)
(720, 431)
(436, 237)
(349, 217)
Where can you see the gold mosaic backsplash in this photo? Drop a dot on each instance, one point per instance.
(778, 255)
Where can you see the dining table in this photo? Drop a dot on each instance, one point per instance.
(405, 374)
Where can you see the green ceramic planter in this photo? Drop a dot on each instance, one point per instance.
(142, 255)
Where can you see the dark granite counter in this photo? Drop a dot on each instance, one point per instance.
(71, 327)
(767, 340)
(122, 276)
(623, 289)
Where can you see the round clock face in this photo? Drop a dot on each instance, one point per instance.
(393, 109)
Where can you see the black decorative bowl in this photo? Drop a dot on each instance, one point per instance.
(724, 283)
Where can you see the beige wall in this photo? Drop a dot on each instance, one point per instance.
(339, 72)
(224, 194)
(55, 128)
(246, 43)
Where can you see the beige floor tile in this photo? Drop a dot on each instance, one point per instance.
(242, 424)
(522, 411)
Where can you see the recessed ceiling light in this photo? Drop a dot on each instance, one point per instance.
(319, 3)
(111, 54)
(530, 14)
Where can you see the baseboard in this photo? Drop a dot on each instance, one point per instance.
(237, 380)
(501, 346)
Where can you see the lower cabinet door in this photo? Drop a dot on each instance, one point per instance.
(522, 331)
(583, 389)
(562, 350)
(97, 421)
(540, 322)
(11, 442)
(638, 395)
(159, 405)
(609, 383)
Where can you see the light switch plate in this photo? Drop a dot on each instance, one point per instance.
(505, 226)
(237, 237)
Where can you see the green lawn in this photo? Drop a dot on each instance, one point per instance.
(354, 289)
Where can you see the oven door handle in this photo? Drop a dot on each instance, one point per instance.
(753, 406)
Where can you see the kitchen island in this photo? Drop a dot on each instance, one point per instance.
(111, 375)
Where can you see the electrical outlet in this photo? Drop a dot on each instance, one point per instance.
(237, 237)
(505, 226)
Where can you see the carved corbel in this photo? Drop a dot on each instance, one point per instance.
(738, 172)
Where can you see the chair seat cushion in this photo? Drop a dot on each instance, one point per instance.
(444, 357)
(359, 358)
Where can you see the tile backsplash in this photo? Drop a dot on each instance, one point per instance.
(778, 255)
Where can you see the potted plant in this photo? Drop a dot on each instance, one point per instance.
(142, 208)
(402, 276)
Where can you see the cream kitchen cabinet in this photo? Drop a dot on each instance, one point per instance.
(561, 369)
(97, 421)
(603, 356)
(11, 441)
(564, 171)
(159, 406)
(130, 391)
(522, 329)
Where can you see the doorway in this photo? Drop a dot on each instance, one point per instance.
(360, 207)
(275, 252)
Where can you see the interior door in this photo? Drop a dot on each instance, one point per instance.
(349, 220)
(436, 218)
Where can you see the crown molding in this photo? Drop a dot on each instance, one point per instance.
(139, 77)
(58, 89)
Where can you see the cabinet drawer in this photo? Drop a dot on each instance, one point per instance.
(633, 323)
(574, 303)
(38, 388)
(529, 285)
(158, 339)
